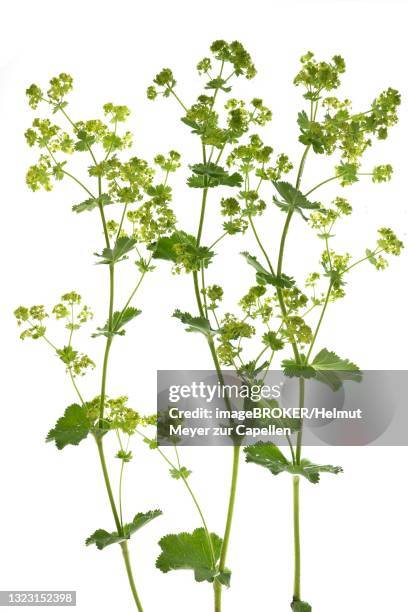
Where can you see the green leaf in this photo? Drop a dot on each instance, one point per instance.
(191, 551)
(85, 141)
(224, 578)
(347, 173)
(268, 455)
(292, 199)
(293, 369)
(71, 428)
(103, 200)
(218, 83)
(140, 520)
(332, 370)
(123, 246)
(182, 249)
(371, 257)
(267, 278)
(119, 320)
(102, 538)
(211, 175)
(195, 324)
(183, 473)
(312, 472)
(303, 121)
(164, 247)
(327, 367)
(301, 606)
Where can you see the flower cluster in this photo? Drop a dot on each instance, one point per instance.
(341, 129)
(319, 76)
(66, 310)
(77, 363)
(154, 218)
(125, 419)
(33, 317)
(128, 182)
(213, 293)
(256, 304)
(324, 219)
(232, 332)
(75, 314)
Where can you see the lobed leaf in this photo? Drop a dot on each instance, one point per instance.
(292, 199)
(102, 538)
(103, 200)
(327, 367)
(267, 278)
(191, 551)
(119, 320)
(71, 428)
(332, 370)
(195, 324)
(268, 455)
(211, 175)
(123, 246)
(164, 247)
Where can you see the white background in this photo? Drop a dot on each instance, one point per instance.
(354, 525)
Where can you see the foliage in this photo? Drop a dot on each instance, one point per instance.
(278, 312)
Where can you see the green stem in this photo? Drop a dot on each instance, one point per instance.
(108, 341)
(102, 213)
(218, 240)
(333, 178)
(99, 444)
(228, 526)
(121, 221)
(236, 454)
(278, 289)
(302, 166)
(125, 552)
(75, 385)
(251, 221)
(200, 512)
(326, 302)
(296, 512)
(376, 252)
(296, 535)
(202, 215)
(191, 493)
(230, 514)
(104, 374)
(111, 294)
(178, 100)
(120, 492)
(300, 433)
(80, 183)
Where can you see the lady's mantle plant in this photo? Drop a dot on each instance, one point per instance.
(277, 312)
(132, 207)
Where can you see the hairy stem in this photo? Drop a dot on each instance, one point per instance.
(296, 511)
(296, 535)
(319, 323)
(199, 510)
(236, 454)
(115, 513)
(126, 558)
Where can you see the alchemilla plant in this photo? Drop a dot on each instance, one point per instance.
(238, 182)
(130, 199)
(247, 182)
